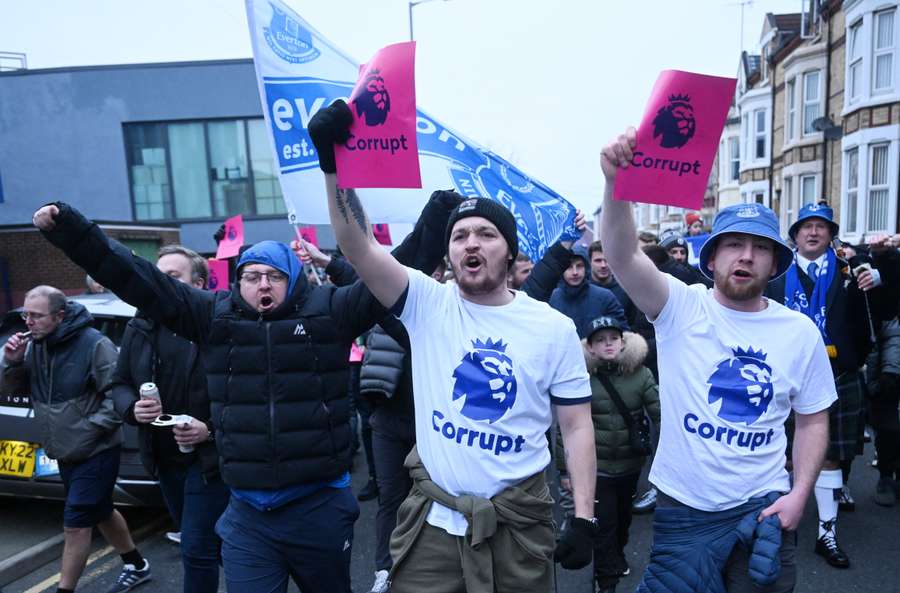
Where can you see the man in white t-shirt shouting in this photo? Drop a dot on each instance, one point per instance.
(732, 365)
(487, 363)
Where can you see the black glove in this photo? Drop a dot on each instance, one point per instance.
(330, 126)
(219, 234)
(575, 548)
(447, 198)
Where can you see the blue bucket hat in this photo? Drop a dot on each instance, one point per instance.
(815, 211)
(275, 254)
(750, 219)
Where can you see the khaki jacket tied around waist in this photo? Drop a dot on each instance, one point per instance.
(516, 524)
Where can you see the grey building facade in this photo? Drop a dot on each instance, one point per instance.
(152, 144)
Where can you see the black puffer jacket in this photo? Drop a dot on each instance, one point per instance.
(152, 353)
(277, 382)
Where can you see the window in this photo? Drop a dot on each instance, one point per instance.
(759, 116)
(791, 109)
(883, 51)
(807, 189)
(759, 197)
(852, 190)
(149, 171)
(266, 187)
(854, 60)
(788, 199)
(810, 101)
(187, 152)
(877, 215)
(202, 170)
(734, 153)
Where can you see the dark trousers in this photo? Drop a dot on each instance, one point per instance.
(196, 504)
(613, 511)
(886, 422)
(393, 436)
(364, 406)
(309, 540)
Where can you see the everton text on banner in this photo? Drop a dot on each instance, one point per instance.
(299, 72)
(677, 140)
(382, 150)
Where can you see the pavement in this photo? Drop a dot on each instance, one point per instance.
(868, 535)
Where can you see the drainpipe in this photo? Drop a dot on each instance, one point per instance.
(772, 67)
(823, 193)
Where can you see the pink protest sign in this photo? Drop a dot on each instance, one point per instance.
(677, 140)
(382, 150)
(230, 246)
(218, 275)
(382, 233)
(308, 234)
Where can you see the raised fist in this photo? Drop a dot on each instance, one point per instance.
(44, 217)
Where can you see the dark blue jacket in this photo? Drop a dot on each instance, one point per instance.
(849, 318)
(690, 547)
(585, 302)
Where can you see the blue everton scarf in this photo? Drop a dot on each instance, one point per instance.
(813, 307)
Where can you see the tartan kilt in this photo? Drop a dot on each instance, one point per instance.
(846, 420)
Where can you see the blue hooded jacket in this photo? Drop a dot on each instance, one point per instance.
(585, 302)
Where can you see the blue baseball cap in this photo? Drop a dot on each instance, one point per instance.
(749, 219)
(815, 211)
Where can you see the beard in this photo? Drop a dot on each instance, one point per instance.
(483, 283)
(746, 292)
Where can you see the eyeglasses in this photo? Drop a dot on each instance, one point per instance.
(273, 277)
(25, 315)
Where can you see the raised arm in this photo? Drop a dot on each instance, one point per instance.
(185, 310)
(643, 282)
(384, 276)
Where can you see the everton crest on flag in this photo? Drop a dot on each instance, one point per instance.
(299, 72)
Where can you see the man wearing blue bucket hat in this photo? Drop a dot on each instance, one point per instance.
(729, 378)
(820, 285)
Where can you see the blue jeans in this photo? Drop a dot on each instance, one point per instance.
(196, 504)
(309, 540)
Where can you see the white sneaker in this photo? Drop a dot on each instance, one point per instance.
(174, 536)
(381, 584)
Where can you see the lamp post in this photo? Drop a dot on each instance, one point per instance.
(413, 4)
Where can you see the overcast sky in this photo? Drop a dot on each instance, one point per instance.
(543, 84)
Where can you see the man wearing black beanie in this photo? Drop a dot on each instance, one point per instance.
(484, 379)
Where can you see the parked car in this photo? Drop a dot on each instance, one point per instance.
(25, 471)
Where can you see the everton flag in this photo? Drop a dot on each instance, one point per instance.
(299, 72)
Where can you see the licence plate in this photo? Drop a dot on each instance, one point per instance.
(17, 458)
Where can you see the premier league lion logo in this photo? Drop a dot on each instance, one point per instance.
(373, 102)
(675, 122)
(744, 384)
(485, 379)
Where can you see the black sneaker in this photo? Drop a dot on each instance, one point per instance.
(645, 503)
(369, 491)
(131, 577)
(885, 492)
(827, 547)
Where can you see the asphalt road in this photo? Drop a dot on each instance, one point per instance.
(869, 535)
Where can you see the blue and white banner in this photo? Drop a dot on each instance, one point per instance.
(694, 245)
(299, 72)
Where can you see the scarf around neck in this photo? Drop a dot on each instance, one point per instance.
(813, 307)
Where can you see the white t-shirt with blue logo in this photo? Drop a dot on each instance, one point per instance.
(484, 378)
(727, 382)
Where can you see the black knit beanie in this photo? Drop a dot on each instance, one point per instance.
(492, 211)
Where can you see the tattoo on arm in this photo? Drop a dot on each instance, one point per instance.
(348, 204)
